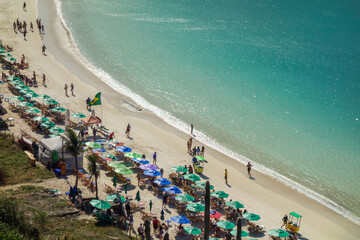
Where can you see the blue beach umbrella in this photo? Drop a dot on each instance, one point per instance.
(172, 190)
(180, 219)
(152, 173)
(123, 149)
(140, 160)
(98, 150)
(162, 182)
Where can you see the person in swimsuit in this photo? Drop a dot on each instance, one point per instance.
(249, 168)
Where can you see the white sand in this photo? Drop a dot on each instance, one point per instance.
(264, 195)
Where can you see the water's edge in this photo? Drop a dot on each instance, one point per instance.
(184, 127)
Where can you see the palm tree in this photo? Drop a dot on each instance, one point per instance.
(74, 146)
(94, 170)
(207, 211)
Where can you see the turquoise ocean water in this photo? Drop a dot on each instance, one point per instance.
(274, 81)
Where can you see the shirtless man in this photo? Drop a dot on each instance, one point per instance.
(249, 168)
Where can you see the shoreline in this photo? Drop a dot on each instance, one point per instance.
(68, 55)
(150, 135)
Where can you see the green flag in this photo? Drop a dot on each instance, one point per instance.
(96, 100)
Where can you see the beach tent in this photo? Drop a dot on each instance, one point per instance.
(91, 120)
(55, 146)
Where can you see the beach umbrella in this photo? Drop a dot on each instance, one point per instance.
(192, 230)
(56, 130)
(148, 167)
(12, 78)
(40, 119)
(5, 54)
(58, 109)
(114, 181)
(43, 96)
(201, 185)
(111, 198)
(243, 233)
(20, 87)
(10, 59)
(25, 104)
(225, 225)
(179, 169)
(93, 145)
(123, 171)
(251, 216)
(152, 173)
(100, 150)
(100, 204)
(25, 91)
(162, 182)
(50, 102)
(138, 196)
(150, 204)
(215, 214)
(213, 238)
(234, 204)
(53, 135)
(31, 94)
(195, 207)
(32, 110)
(140, 160)
(132, 155)
(192, 177)
(78, 115)
(17, 98)
(180, 219)
(200, 158)
(219, 194)
(47, 124)
(123, 149)
(278, 233)
(116, 165)
(111, 156)
(184, 198)
(172, 190)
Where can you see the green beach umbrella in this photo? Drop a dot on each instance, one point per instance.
(123, 171)
(278, 233)
(50, 102)
(100, 204)
(202, 185)
(43, 96)
(47, 124)
(20, 87)
(234, 204)
(5, 54)
(40, 119)
(10, 59)
(111, 156)
(225, 225)
(114, 181)
(54, 135)
(192, 230)
(111, 198)
(93, 145)
(179, 169)
(243, 233)
(58, 109)
(195, 207)
(219, 194)
(78, 115)
(32, 110)
(17, 98)
(56, 130)
(192, 177)
(25, 91)
(31, 94)
(251, 216)
(25, 104)
(184, 198)
(15, 82)
(138, 196)
(132, 155)
(213, 238)
(116, 165)
(200, 158)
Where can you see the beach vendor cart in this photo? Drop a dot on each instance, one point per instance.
(199, 164)
(294, 222)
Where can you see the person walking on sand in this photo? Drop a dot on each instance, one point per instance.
(44, 80)
(14, 27)
(284, 219)
(65, 88)
(226, 176)
(192, 129)
(72, 89)
(249, 168)
(154, 158)
(43, 49)
(25, 35)
(24, 6)
(31, 27)
(202, 151)
(128, 128)
(88, 100)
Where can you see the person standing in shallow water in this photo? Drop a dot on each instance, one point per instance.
(192, 129)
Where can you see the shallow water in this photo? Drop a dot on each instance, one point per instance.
(274, 81)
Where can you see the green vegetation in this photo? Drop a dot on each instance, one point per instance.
(14, 166)
(31, 211)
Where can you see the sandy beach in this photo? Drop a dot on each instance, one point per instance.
(262, 195)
